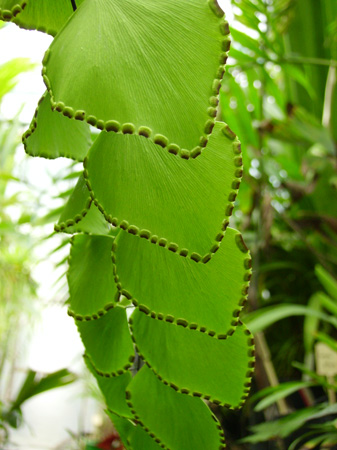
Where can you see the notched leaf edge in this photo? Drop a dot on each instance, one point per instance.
(247, 384)
(247, 264)
(110, 374)
(129, 128)
(9, 14)
(62, 226)
(138, 421)
(32, 128)
(162, 241)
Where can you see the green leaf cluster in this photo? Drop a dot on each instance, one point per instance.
(157, 279)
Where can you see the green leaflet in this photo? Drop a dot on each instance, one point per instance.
(147, 65)
(107, 342)
(43, 15)
(113, 389)
(91, 282)
(124, 428)
(11, 8)
(80, 215)
(194, 363)
(148, 73)
(178, 421)
(141, 440)
(133, 437)
(181, 204)
(52, 135)
(207, 297)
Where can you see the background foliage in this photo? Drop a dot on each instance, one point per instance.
(281, 89)
(21, 208)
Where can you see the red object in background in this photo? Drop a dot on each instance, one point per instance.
(113, 442)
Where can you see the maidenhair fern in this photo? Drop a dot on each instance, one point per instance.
(149, 214)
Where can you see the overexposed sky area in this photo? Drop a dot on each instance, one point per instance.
(17, 43)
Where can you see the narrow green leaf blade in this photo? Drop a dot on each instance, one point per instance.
(327, 281)
(281, 427)
(323, 337)
(26, 389)
(244, 40)
(9, 72)
(327, 302)
(311, 322)
(53, 380)
(35, 384)
(282, 391)
(263, 318)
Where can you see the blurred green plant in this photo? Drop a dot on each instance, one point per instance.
(33, 384)
(281, 89)
(302, 426)
(18, 289)
(286, 206)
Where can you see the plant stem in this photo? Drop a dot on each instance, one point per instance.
(264, 354)
(288, 60)
(73, 4)
(309, 61)
(329, 88)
